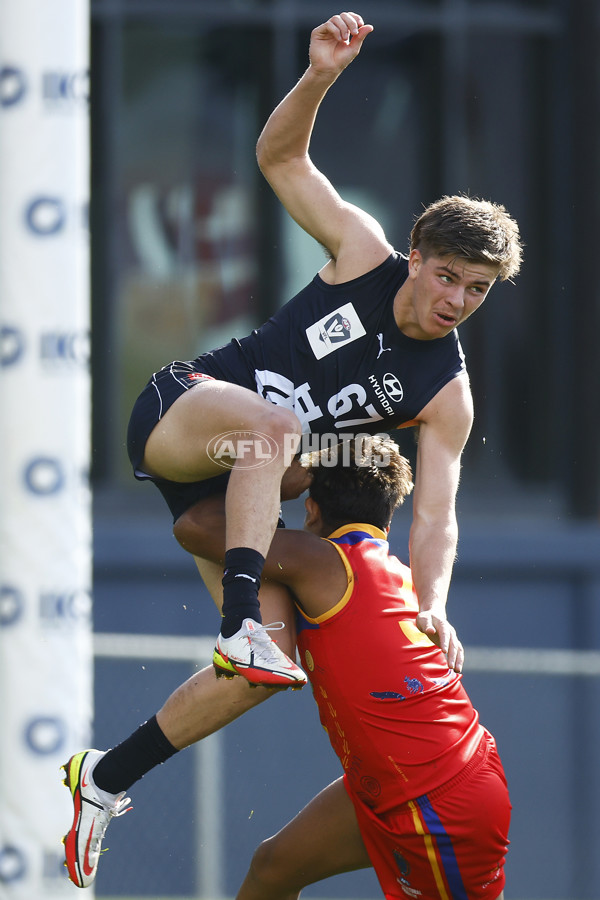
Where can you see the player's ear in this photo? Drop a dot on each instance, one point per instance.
(415, 260)
(313, 514)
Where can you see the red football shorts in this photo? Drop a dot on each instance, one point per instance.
(449, 844)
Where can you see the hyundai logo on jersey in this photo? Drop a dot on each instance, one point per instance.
(392, 387)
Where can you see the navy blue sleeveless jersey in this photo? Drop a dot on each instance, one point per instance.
(335, 356)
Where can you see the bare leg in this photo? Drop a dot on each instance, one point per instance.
(179, 449)
(275, 602)
(321, 841)
(205, 703)
(214, 423)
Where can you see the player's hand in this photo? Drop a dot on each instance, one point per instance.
(296, 479)
(335, 43)
(443, 634)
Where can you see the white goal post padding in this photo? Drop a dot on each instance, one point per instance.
(45, 510)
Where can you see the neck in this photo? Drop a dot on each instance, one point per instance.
(403, 308)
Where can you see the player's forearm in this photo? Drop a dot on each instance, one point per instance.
(288, 130)
(432, 555)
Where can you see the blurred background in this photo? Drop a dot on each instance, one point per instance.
(189, 248)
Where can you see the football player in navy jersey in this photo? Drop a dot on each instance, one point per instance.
(369, 345)
(322, 363)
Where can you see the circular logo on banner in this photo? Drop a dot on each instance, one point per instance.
(12, 864)
(45, 734)
(12, 344)
(45, 216)
(44, 476)
(11, 605)
(13, 86)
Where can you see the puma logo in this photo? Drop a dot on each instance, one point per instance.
(382, 349)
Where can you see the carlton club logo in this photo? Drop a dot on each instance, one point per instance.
(336, 329)
(252, 449)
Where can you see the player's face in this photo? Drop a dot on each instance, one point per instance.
(446, 291)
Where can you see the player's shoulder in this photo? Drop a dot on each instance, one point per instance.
(452, 403)
(294, 554)
(377, 261)
(362, 246)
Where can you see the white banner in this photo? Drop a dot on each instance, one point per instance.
(45, 509)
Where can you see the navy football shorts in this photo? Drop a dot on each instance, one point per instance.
(158, 396)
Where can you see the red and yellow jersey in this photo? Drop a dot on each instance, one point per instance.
(397, 717)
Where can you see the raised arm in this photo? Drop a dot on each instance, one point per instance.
(444, 428)
(354, 239)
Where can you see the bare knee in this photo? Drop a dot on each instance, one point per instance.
(281, 425)
(263, 882)
(270, 870)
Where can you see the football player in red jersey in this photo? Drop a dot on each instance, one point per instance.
(423, 798)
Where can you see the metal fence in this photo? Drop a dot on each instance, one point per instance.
(210, 857)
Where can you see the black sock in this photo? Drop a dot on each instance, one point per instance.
(129, 761)
(241, 582)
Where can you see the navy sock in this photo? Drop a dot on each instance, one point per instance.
(129, 761)
(241, 583)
